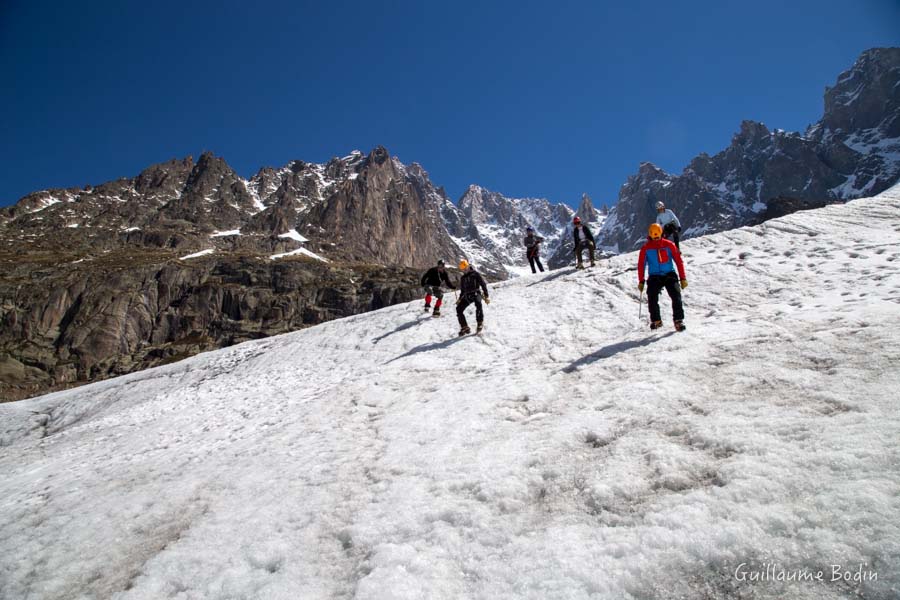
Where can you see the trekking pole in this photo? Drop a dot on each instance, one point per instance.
(640, 305)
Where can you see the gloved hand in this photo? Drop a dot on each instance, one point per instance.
(641, 286)
(487, 300)
(683, 283)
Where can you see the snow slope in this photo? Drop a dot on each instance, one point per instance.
(567, 453)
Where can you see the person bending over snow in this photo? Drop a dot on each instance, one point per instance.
(432, 281)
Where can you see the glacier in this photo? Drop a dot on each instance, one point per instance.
(565, 453)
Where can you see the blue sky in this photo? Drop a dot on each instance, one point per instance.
(527, 98)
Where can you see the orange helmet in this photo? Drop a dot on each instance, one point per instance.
(463, 265)
(655, 231)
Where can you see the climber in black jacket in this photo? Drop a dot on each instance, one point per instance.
(432, 281)
(471, 289)
(583, 239)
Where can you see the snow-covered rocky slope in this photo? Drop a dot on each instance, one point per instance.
(567, 453)
(500, 224)
(851, 152)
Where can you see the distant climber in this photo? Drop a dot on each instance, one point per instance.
(583, 240)
(670, 224)
(533, 249)
(661, 257)
(432, 281)
(471, 289)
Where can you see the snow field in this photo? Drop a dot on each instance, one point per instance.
(566, 453)
(198, 254)
(299, 251)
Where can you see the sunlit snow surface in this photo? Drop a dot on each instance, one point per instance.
(299, 251)
(566, 453)
(198, 254)
(292, 234)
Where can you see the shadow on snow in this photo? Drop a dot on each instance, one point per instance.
(427, 347)
(612, 350)
(557, 275)
(403, 327)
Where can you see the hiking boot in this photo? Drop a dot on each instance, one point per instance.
(427, 307)
(592, 263)
(655, 324)
(480, 327)
(679, 326)
(464, 331)
(437, 312)
(579, 266)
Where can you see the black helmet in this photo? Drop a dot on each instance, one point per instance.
(529, 229)
(440, 263)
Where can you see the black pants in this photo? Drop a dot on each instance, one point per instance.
(464, 303)
(672, 236)
(655, 284)
(579, 250)
(532, 260)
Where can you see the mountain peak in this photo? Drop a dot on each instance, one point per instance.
(378, 155)
(208, 157)
(751, 131)
(876, 58)
(648, 168)
(649, 173)
(170, 175)
(586, 211)
(866, 93)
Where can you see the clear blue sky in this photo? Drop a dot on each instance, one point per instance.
(527, 98)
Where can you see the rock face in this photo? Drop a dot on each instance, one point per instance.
(859, 135)
(853, 151)
(357, 208)
(188, 256)
(124, 311)
(495, 227)
(563, 254)
(384, 212)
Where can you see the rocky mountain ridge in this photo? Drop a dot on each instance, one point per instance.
(500, 223)
(188, 256)
(853, 151)
(357, 208)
